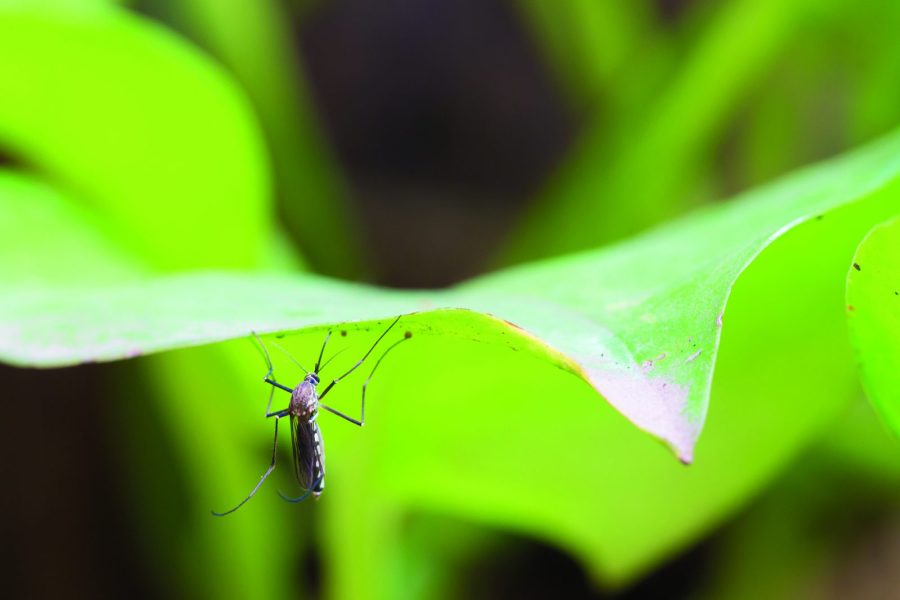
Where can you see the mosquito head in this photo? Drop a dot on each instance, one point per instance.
(312, 378)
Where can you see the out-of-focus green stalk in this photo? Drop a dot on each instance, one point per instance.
(253, 39)
(589, 42)
(622, 180)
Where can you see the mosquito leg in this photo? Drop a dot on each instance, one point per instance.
(269, 379)
(302, 496)
(265, 353)
(269, 403)
(284, 412)
(261, 479)
(280, 386)
(278, 413)
(360, 361)
(274, 385)
(362, 408)
(359, 423)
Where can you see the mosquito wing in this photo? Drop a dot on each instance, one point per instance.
(308, 452)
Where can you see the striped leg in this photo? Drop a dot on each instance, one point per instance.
(261, 479)
(362, 408)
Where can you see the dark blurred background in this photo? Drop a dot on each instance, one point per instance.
(446, 120)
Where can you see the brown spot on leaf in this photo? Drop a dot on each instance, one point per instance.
(856, 266)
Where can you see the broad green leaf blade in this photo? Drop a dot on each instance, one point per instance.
(873, 312)
(466, 426)
(639, 321)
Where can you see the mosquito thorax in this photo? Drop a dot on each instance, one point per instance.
(304, 399)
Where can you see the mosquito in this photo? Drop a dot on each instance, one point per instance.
(308, 450)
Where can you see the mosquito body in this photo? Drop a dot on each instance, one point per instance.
(309, 451)
(303, 410)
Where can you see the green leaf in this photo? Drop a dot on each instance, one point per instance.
(254, 40)
(480, 418)
(140, 126)
(639, 321)
(28, 205)
(873, 312)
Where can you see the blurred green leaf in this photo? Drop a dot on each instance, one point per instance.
(254, 40)
(873, 311)
(640, 322)
(800, 539)
(638, 167)
(27, 206)
(591, 43)
(140, 126)
(142, 157)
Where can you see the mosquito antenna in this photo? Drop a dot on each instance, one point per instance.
(293, 360)
(321, 352)
(336, 354)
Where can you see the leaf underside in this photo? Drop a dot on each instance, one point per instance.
(640, 321)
